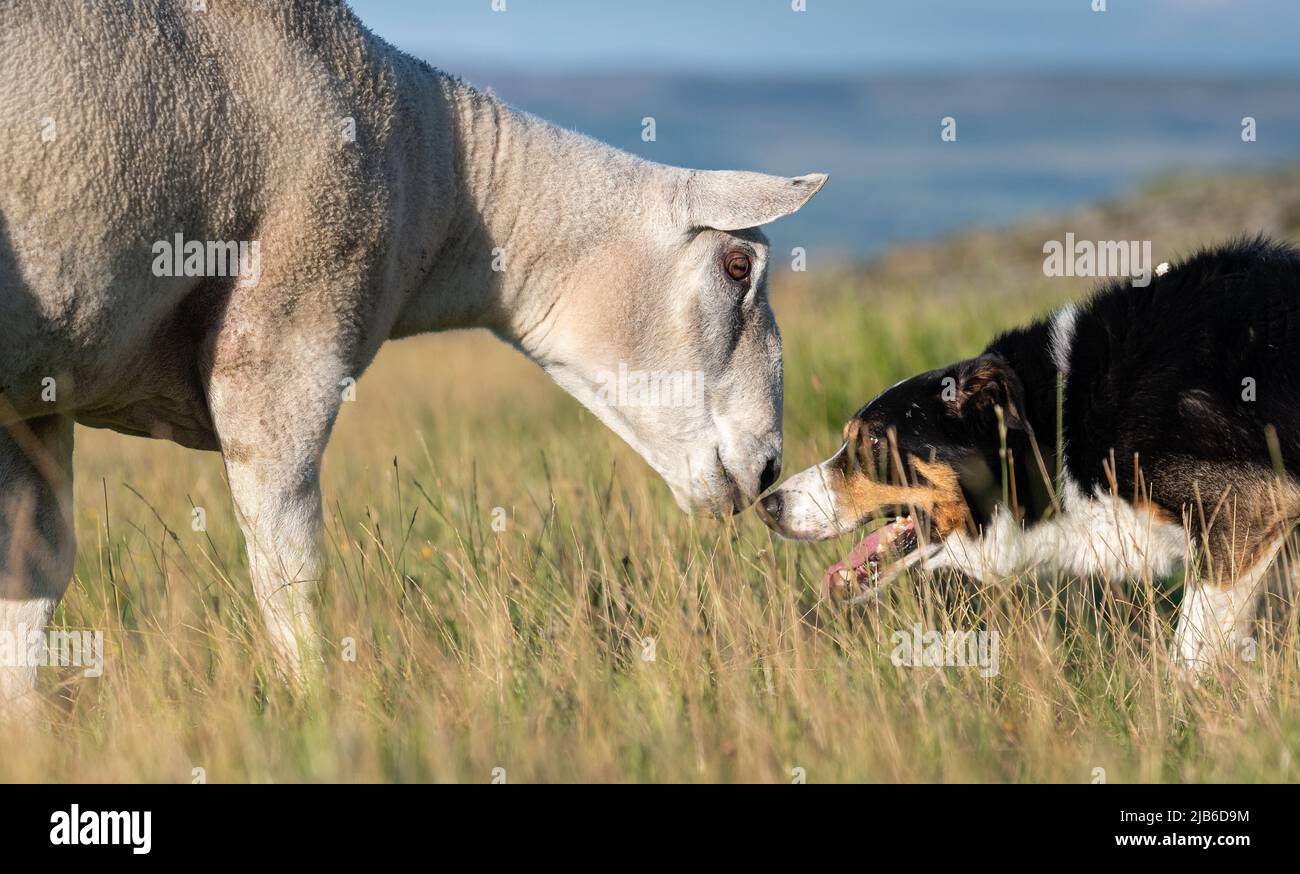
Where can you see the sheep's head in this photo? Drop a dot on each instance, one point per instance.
(667, 334)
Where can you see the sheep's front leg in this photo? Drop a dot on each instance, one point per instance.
(278, 505)
(36, 544)
(272, 439)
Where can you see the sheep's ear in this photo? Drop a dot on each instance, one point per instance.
(729, 200)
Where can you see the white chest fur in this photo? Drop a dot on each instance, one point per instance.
(1096, 534)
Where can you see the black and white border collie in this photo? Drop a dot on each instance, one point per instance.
(1141, 430)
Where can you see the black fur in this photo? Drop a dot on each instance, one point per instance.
(1158, 372)
(1155, 373)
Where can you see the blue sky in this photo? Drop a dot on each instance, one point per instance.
(748, 37)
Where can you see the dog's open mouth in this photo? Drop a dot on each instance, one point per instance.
(878, 557)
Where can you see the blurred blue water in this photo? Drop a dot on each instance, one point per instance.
(1025, 143)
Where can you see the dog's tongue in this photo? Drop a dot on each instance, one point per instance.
(868, 548)
(857, 567)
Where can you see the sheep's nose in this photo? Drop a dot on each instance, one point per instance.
(773, 504)
(771, 471)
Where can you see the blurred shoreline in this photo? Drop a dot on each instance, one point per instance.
(1176, 212)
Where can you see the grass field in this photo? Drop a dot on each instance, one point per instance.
(603, 635)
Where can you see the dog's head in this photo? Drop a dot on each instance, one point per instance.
(918, 463)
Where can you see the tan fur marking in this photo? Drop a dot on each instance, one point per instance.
(1235, 514)
(949, 511)
(941, 499)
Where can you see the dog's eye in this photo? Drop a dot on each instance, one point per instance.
(737, 265)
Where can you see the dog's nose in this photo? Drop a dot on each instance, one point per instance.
(771, 471)
(772, 506)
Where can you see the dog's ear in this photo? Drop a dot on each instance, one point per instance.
(973, 390)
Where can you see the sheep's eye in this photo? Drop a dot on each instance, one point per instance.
(737, 265)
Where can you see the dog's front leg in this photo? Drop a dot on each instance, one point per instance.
(1217, 611)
